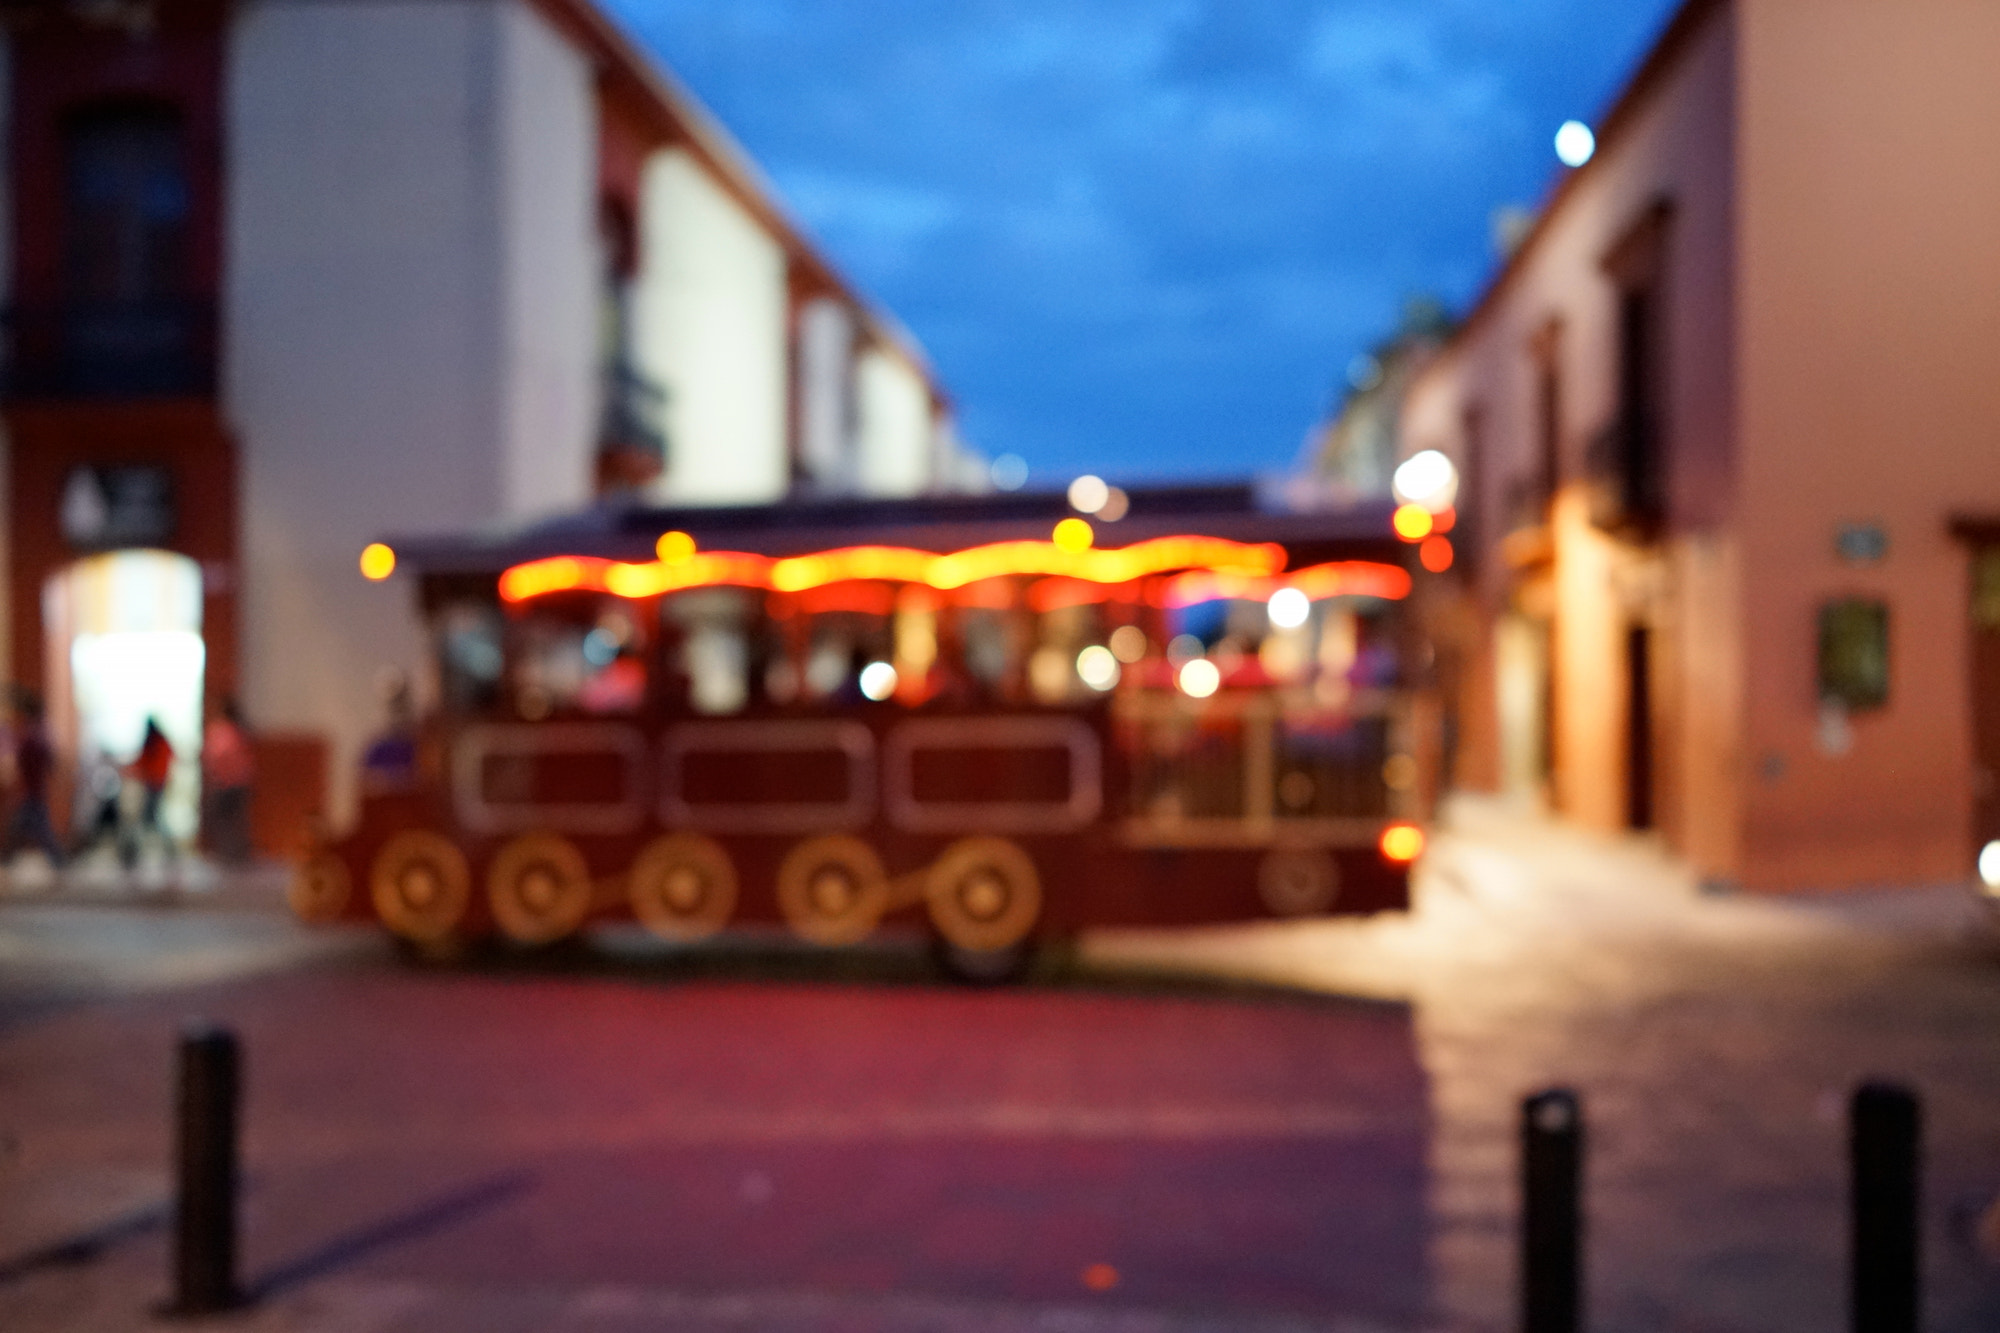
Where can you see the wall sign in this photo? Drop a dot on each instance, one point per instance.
(104, 508)
(1861, 543)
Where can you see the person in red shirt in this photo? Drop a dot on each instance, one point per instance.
(151, 769)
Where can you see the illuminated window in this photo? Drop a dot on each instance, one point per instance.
(1854, 653)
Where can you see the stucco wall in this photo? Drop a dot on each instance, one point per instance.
(711, 324)
(895, 430)
(547, 165)
(1674, 144)
(826, 406)
(1870, 313)
(391, 361)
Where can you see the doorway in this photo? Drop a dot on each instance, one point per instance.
(123, 636)
(1639, 727)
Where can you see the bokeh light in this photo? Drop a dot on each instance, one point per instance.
(1073, 534)
(1435, 554)
(1128, 643)
(1575, 143)
(878, 681)
(1288, 608)
(1098, 667)
(1413, 523)
(674, 548)
(1009, 472)
(1088, 494)
(1402, 843)
(1199, 678)
(378, 562)
(1989, 867)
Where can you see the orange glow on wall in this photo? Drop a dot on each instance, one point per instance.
(894, 564)
(1435, 554)
(1413, 523)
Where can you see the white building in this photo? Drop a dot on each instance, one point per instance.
(287, 274)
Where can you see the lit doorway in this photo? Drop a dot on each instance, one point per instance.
(123, 635)
(1521, 650)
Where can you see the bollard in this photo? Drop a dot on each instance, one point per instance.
(205, 1218)
(1883, 1134)
(1551, 1214)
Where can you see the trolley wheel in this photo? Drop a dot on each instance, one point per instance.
(1298, 881)
(832, 889)
(539, 888)
(683, 886)
(420, 886)
(983, 894)
(321, 888)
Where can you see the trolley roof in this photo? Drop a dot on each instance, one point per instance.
(932, 523)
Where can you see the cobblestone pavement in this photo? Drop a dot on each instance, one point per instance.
(1278, 1126)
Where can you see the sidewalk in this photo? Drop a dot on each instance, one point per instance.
(1714, 1040)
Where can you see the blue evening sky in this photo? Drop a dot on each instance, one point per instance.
(1145, 237)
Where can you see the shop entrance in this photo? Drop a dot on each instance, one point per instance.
(123, 637)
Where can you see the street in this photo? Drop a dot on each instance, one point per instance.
(1276, 1126)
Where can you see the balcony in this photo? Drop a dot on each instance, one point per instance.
(144, 349)
(632, 431)
(1622, 475)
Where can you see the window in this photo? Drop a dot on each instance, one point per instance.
(127, 200)
(1627, 464)
(1854, 653)
(1548, 408)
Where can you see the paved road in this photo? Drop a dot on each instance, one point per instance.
(1269, 1127)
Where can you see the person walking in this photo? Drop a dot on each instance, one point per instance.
(150, 769)
(228, 771)
(34, 762)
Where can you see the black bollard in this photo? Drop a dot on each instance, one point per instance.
(1551, 1212)
(1883, 1133)
(205, 1219)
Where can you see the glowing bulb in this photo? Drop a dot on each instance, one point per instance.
(1288, 608)
(1199, 678)
(1426, 478)
(1073, 534)
(378, 562)
(1402, 843)
(1575, 143)
(1413, 523)
(878, 681)
(1098, 667)
(674, 548)
(1088, 494)
(1989, 867)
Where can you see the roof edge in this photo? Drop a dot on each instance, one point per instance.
(1660, 60)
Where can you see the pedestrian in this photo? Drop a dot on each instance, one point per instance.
(34, 762)
(151, 768)
(228, 771)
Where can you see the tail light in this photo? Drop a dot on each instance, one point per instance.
(1402, 843)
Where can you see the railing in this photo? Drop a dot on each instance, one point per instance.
(633, 424)
(134, 349)
(1621, 467)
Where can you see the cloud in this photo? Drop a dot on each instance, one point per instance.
(1143, 236)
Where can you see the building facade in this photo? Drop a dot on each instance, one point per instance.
(1728, 432)
(287, 274)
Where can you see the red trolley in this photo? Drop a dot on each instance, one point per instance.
(981, 712)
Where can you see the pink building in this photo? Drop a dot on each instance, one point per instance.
(1728, 424)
